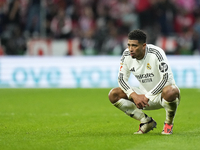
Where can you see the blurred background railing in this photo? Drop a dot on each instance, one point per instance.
(96, 27)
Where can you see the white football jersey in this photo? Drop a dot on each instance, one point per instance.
(153, 71)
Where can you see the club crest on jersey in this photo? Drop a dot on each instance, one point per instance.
(148, 66)
(132, 69)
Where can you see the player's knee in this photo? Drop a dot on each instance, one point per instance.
(170, 93)
(115, 94)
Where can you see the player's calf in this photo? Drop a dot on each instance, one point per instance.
(170, 102)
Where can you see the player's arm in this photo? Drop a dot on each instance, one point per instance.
(162, 66)
(124, 75)
(140, 100)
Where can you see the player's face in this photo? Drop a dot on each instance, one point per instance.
(136, 49)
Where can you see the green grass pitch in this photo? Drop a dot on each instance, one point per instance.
(84, 119)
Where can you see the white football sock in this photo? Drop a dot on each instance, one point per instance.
(170, 108)
(130, 109)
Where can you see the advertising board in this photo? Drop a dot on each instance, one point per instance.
(84, 72)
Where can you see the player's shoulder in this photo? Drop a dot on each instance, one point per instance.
(126, 52)
(156, 52)
(125, 56)
(154, 49)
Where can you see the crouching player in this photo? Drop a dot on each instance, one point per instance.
(157, 89)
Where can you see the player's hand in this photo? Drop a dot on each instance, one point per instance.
(140, 101)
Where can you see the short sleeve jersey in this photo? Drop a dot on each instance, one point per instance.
(153, 71)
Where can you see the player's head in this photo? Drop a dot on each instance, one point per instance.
(137, 35)
(137, 44)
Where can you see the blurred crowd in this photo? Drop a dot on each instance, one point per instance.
(101, 25)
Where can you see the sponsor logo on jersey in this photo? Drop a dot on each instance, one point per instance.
(146, 80)
(163, 67)
(148, 66)
(143, 76)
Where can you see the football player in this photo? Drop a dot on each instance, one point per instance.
(157, 88)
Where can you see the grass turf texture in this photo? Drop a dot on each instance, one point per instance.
(84, 119)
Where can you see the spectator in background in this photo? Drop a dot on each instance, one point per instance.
(3, 9)
(101, 26)
(183, 24)
(196, 28)
(165, 12)
(88, 44)
(114, 20)
(12, 37)
(112, 44)
(16, 44)
(87, 28)
(187, 5)
(13, 17)
(143, 8)
(32, 26)
(184, 19)
(196, 37)
(1, 51)
(127, 17)
(86, 22)
(147, 18)
(51, 11)
(185, 41)
(61, 25)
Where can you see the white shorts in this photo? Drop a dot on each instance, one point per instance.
(154, 103)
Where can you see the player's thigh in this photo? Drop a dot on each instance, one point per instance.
(138, 90)
(154, 103)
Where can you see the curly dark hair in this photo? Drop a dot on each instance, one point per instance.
(137, 35)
